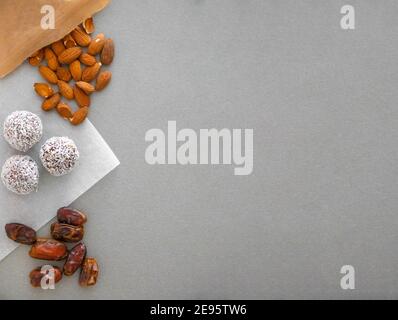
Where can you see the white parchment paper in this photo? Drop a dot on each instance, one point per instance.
(96, 159)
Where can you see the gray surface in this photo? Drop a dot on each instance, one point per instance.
(323, 106)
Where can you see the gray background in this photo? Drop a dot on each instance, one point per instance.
(323, 106)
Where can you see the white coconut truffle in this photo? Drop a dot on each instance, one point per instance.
(20, 174)
(59, 155)
(22, 130)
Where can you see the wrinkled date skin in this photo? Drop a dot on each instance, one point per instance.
(71, 216)
(66, 232)
(20, 233)
(75, 259)
(48, 249)
(89, 273)
(36, 275)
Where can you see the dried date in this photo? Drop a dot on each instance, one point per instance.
(48, 249)
(20, 233)
(75, 259)
(71, 216)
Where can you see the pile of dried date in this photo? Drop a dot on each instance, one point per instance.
(64, 59)
(69, 228)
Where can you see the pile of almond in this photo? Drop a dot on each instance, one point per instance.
(66, 59)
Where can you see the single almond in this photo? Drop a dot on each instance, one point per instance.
(79, 116)
(90, 73)
(86, 87)
(69, 42)
(96, 45)
(58, 47)
(64, 110)
(51, 57)
(108, 52)
(63, 74)
(51, 102)
(43, 89)
(87, 59)
(65, 89)
(75, 69)
(34, 61)
(81, 37)
(36, 58)
(69, 55)
(88, 25)
(82, 99)
(103, 80)
(48, 74)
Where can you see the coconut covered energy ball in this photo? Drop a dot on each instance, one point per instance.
(20, 174)
(22, 130)
(59, 155)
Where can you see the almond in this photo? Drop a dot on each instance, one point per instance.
(69, 42)
(58, 47)
(52, 60)
(65, 90)
(51, 102)
(108, 52)
(86, 87)
(96, 45)
(43, 89)
(82, 99)
(63, 74)
(87, 59)
(69, 55)
(76, 70)
(34, 61)
(48, 74)
(81, 37)
(90, 73)
(102, 80)
(36, 58)
(64, 110)
(79, 116)
(88, 25)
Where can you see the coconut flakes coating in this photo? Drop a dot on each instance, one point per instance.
(20, 174)
(22, 130)
(59, 155)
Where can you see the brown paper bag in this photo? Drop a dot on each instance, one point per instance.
(21, 32)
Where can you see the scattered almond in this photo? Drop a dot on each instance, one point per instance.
(86, 87)
(82, 99)
(48, 74)
(96, 45)
(76, 70)
(81, 37)
(90, 73)
(79, 116)
(64, 110)
(87, 59)
(64, 61)
(103, 80)
(69, 55)
(63, 74)
(51, 102)
(65, 89)
(58, 47)
(108, 52)
(88, 25)
(43, 89)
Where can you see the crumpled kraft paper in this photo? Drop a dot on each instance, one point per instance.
(96, 160)
(21, 32)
